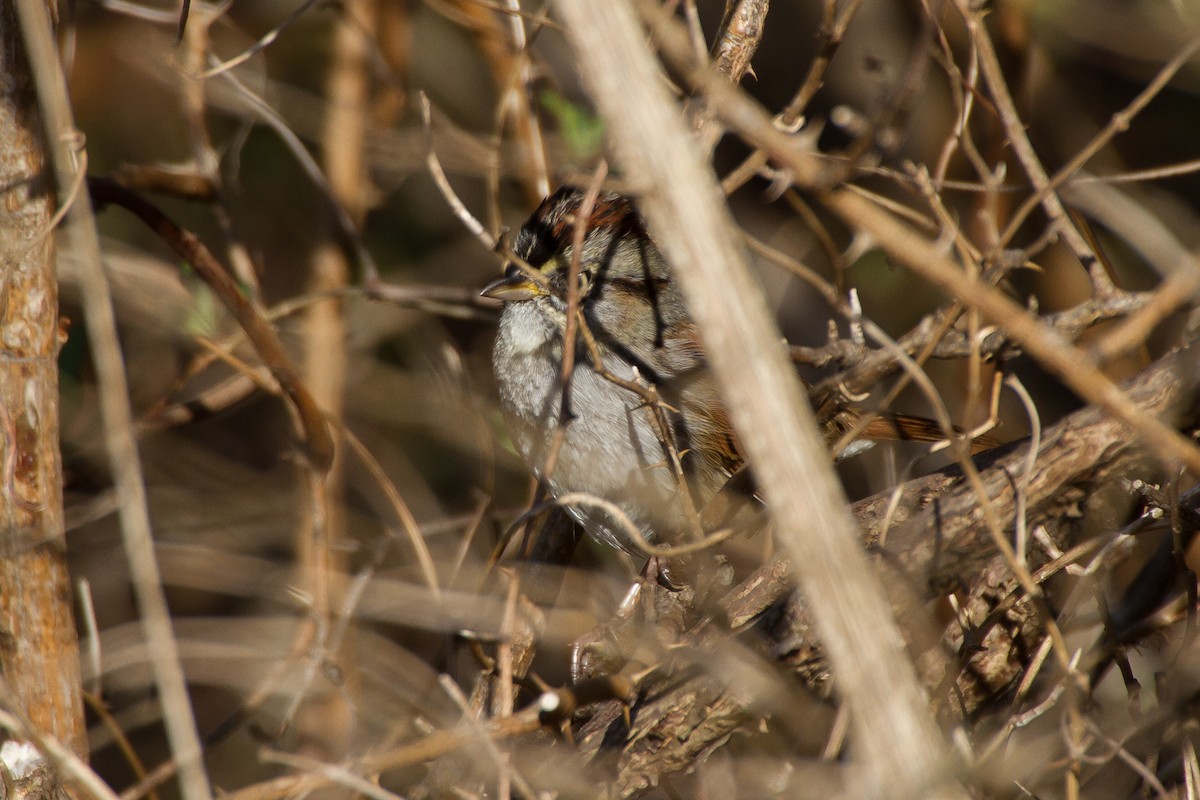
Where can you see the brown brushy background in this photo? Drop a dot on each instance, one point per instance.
(334, 639)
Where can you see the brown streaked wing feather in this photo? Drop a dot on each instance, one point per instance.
(714, 439)
(694, 391)
(707, 419)
(890, 426)
(682, 353)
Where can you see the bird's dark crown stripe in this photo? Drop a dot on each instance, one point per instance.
(609, 210)
(551, 228)
(536, 243)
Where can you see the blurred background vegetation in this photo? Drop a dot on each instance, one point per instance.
(231, 506)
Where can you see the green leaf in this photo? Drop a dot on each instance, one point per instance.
(205, 311)
(582, 130)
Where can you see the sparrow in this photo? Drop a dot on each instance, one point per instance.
(642, 404)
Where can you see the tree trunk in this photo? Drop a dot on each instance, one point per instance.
(38, 649)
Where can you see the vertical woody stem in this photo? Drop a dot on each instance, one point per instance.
(899, 749)
(39, 656)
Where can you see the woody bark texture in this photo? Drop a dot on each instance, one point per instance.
(937, 539)
(38, 651)
(898, 749)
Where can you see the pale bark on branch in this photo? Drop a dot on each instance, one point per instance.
(938, 540)
(899, 750)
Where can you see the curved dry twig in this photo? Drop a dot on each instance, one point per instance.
(924, 257)
(81, 238)
(318, 441)
(900, 745)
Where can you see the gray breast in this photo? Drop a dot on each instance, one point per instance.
(610, 448)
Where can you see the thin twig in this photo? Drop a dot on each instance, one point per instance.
(69, 765)
(80, 238)
(404, 516)
(346, 227)
(742, 30)
(264, 41)
(334, 773)
(1118, 123)
(317, 438)
(1014, 129)
(529, 126)
(900, 746)
(469, 221)
(927, 259)
(634, 534)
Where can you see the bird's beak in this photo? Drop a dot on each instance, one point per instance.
(513, 286)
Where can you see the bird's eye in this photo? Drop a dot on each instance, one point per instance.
(585, 281)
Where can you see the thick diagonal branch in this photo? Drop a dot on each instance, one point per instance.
(898, 745)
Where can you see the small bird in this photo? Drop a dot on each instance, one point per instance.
(648, 346)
